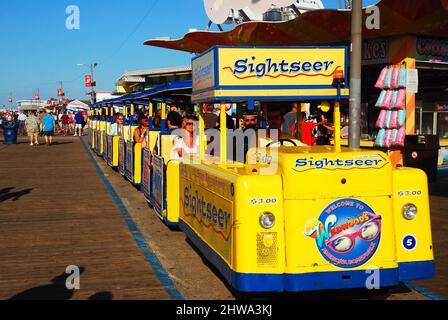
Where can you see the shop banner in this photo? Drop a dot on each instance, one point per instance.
(375, 52)
(432, 50)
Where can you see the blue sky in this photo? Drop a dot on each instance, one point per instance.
(38, 51)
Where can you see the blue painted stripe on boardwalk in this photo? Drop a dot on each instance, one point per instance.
(424, 292)
(162, 275)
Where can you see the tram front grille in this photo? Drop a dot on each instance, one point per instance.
(267, 249)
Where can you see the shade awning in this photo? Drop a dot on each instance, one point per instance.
(397, 17)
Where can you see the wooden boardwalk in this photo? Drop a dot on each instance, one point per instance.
(54, 212)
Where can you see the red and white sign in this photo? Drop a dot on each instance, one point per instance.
(10, 99)
(60, 92)
(414, 155)
(36, 96)
(88, 80)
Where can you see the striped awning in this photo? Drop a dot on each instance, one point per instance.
(398, 17)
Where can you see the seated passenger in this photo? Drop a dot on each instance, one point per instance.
(188, 143)
(141, 131)
(173, 122)
(211, 120)
(117, 128)
(324, 137)
(275, 122)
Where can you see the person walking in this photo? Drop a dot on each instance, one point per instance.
(78, 124)
(85, 121)
(32, 128)
(64, 122)
(41, 116)
(48, 127)
(21, 118)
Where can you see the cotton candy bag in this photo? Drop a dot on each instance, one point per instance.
(381, 122)
(393, 120)
(399, 140)
(395, 76)
(388, 138)
(380, 138)
(388, 81)
(402, 78)
(380, 82)
(379, 103)
(394, 135)
(388, 99)
(394, 98)
(401, 99)
(401, 117)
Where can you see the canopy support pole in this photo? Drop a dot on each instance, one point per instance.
(223, 129)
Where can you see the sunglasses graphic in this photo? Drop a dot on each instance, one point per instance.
(368, 231)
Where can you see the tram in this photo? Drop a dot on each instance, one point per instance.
(313, 222)
(290, 218)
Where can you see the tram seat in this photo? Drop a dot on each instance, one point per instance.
(171, 181)
(152, 139)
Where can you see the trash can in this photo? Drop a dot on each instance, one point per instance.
(10, 129)
(422, 152)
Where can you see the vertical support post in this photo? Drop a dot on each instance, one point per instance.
(131, 113)
(150, 124)
(202, 140)
(163, 122)
(355, 76)
(223, 128)
(421, 121)
(337, 127)
(434, 122)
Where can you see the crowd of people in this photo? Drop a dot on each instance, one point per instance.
(47, 123)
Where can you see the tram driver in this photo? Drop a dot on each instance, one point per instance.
(275, 122)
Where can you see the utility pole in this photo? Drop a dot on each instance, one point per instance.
(92, 66)
(62, 88)
(355, 76)
(92, 93)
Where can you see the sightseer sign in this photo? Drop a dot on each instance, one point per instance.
(286, 71)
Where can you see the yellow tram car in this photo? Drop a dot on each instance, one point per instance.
(322, 217)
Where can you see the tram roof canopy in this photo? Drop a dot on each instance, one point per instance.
(398, 17)
(168, 89)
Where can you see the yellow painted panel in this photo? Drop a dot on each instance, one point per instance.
(327, 174)
(138, 163)
(411, 186)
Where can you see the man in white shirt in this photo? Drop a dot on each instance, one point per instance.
(22, 117)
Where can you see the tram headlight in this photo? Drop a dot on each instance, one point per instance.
(409, 211)
(267, 220)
